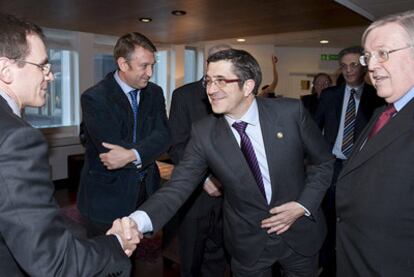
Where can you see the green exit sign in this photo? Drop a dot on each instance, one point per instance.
(329, 57)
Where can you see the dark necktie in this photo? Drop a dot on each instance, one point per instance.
(248, 152)
(349, 124)
(385, 116)
(134, 105)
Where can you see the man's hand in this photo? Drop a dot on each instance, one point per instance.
(127, 232)
(283, 217)
(117, 156)
(212, 186)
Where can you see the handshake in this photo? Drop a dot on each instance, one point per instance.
(127, 233)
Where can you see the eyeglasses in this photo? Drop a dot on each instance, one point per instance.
(351, 66)
(381, 55)
(46, 68)
(219, 82)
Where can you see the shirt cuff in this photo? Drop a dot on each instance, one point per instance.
(142, 220)
(137, 162)
(307, 213)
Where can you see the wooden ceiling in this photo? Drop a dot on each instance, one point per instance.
(205, 19)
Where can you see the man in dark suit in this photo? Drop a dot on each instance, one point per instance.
(271, 203)
(125, 130)
(200, 230)
(342, 114)
(375, 207)
(34, 237)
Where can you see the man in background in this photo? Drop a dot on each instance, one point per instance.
(125, 130)
(34, 236)
(200, 230)
(374, 195)
(342, 114)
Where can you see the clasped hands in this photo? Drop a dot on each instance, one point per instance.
(127, 231)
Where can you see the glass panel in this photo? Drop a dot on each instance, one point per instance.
(59, 109)
(190, 66)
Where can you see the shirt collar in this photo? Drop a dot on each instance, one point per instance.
(358, 89)
(124, 86)
(400, 103)
(251, 117)
(12, 104)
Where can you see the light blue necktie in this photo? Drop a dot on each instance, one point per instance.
(134, 105)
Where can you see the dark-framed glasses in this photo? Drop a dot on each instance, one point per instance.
(219, 82)
(46, 67)
(381, 55)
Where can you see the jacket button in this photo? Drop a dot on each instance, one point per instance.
(338, 219)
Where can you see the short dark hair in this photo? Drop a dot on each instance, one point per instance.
(13, 36)
(126, 44)
(350, 50)
(245, 65)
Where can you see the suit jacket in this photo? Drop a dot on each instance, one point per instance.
(34, 238)
(289, 135)
(328, 114)
(190, 104)
(105, 195)
(310, 102)
(374, 202)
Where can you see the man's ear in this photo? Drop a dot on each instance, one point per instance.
(123, 64)
(248, 87)
(6, 73)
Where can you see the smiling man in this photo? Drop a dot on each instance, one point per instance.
(375, 207)
(256, 147)
(124, 130)
(34, 237)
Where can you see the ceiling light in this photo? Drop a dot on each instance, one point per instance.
(324, 41)
(241, 39)
(179, 12)
(145, 19)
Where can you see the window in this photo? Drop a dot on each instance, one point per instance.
(62, 93)
(103, 64)
(190, 65)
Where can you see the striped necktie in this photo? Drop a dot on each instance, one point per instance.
(349, 124)
(248, 152)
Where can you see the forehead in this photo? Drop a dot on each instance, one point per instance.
(321, 78)
(350, 58)
(388, 35)
(37, 49)
(220, 68)
(143, 55)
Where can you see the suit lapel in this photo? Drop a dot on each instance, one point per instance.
(402, 122)
(270, 129)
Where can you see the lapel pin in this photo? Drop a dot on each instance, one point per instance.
(279, 135)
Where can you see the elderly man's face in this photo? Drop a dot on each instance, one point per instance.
(394, 77)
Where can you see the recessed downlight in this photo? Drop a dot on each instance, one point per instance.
(179, 12)
(324, 41)
(145, 19)
(241, 40)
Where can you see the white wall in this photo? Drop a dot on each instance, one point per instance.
(303, 63)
